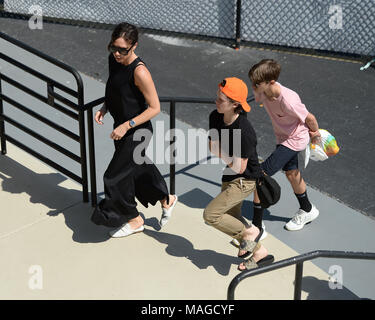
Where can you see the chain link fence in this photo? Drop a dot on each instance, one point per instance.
(214, 18)
(345, 26)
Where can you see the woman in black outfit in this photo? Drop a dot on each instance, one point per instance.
(132, 100)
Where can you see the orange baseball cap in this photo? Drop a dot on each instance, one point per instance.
(235, 89)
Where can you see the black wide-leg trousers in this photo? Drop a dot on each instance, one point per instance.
(125, 180)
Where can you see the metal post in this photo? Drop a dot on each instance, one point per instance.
(51, 98)
(232, 286)
(238, 24)
(90, 128)
(172, 126)
(2, 126)
(82, 142)
(298, 281)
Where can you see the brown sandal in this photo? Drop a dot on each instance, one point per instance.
(251, 264)
(250, 246)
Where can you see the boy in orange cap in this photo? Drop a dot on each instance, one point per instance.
(238, 181)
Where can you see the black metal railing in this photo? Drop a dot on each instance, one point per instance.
(298, 261)
(57, 102)
(78, 106)
(90, 128)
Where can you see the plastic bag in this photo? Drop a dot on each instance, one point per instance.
(323, 150)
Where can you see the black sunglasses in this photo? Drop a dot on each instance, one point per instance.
(123, 51)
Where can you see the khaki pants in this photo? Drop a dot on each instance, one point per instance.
(224, 212)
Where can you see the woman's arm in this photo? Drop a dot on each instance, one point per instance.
(143, 80)
(99, 115)
(103, 109)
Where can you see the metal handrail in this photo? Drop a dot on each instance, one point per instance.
(50, 100)
(45, 57)
(90, 128)
(298, 261)
(81, 108)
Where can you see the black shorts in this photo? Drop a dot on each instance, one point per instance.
(282, 158)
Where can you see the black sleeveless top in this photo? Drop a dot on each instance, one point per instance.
(123, 99)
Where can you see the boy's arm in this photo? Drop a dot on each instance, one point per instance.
(214, 146)
(313, 126)
(238, 165)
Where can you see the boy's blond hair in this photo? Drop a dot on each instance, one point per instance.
(265, 70)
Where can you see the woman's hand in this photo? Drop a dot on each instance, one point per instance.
(99, 115)
(120, 131)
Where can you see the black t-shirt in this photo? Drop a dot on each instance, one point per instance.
(239, 140)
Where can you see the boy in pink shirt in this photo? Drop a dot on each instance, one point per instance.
(293, 126)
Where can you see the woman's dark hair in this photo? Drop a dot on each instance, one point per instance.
(126, 31)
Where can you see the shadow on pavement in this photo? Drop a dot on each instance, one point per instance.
(195, 198)
(84, 230)
(199, 199)
(178, 246)
(44, 188)
(319, 290)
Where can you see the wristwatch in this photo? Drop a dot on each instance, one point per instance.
(131, 123)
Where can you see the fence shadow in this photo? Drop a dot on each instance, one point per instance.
(199, 199)
(178, 246)
(195, 198)
(45, 189)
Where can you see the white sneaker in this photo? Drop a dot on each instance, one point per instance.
(301, 218)
(167, 213)
(125, 231)
(265, 234)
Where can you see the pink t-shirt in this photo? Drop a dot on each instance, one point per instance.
(288, 116)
